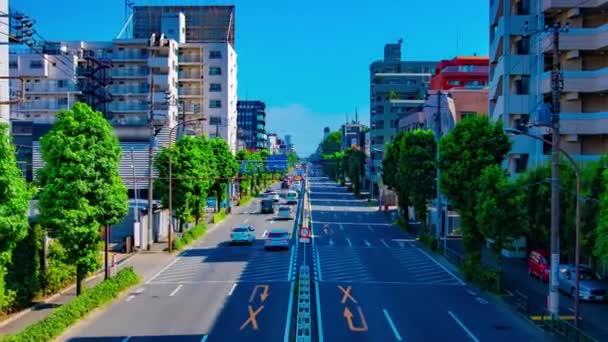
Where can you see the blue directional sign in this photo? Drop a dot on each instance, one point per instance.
(276, 163)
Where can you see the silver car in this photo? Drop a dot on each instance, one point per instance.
(277, 238)
(242, 234)
(285, 213)
(591, 287)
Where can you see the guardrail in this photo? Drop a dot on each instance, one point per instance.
(303, 319)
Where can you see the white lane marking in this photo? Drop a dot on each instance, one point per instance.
(341, 226)
(126, 339)
(440, 265)
(331, 242)
(367, 243)
(318, 264)
(481, 300)
(163, 270)
(384, 242)
(390, 322)
(232, 289)
(246, 220)
(204, 338)
(464, 327)
(179, 287)
(130, 298)
(319, 320)
(291, 261)
(509, 292)
(370, 228)
(288, 318)
(472, 293)
(350, 244)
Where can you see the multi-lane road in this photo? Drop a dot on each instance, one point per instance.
(372, 282)
(211, 292)
(377, 284)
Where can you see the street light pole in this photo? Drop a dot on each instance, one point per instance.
(170, 233)
(577, 257)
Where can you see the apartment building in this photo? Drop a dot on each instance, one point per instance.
(251, 123)
(50, 85)
(461, 71)
(207, 61)
(351, 134)
(272, 143)
(520, 75)
(396, 87)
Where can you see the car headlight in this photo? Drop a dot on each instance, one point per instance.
(584, 291)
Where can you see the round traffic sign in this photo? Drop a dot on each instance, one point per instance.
(304, 232)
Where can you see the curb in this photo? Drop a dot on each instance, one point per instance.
(36, 306)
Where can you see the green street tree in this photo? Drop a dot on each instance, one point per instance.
(474, 144)
(416, 171)
(292, 159)
(500, 211)
(331, 154)
(14, 206)
(390, 178)
(600, 249)
(81, 187)
(226, 167)
(332, 143)
(354, 167)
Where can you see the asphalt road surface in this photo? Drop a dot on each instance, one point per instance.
(376, 284)
(212, 292)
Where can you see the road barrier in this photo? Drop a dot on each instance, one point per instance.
(303, 320)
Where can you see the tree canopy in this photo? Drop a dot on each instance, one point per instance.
(14, 206)
(81, 187)
(474, 144)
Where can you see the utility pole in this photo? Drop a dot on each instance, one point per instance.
(150, 162)
(555, 147)
(439, 209)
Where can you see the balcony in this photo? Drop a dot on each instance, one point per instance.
(460, 69)
(32, 88)
(135, 120)
(159, 62)
(261, 118)
(129, 90)
(190, 59)
(50, 106)
(579, 39)
(553, 5)
(190, 76)
(130, 72)
(584, 123)
(130, 57)
(184, 91)
(128, 108)
(579, 81)
(400, 87)
(496, 10)
(516, 65)
(159, 80)
(517, 27)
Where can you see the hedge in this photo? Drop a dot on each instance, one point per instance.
(220, 216)
(64, 316)
(244, 200)
(189, 236)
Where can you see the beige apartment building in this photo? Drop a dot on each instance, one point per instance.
(520, 74)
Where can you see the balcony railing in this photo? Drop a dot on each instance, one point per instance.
(191, 91)
(42, 105)
(130, 55)
(467, 69)
(190, 59)
(129, 121)
(130, 72)
(51, 88)
(116, 90)
(115, 107)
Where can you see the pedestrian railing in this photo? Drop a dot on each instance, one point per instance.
(303, 320)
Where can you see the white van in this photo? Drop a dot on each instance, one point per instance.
(292, 197)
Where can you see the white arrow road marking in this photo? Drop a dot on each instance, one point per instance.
(232, 289)
(383, 242)
(350, 244)
(367, 243)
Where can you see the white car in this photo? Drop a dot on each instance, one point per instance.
(277, 238)
(285, 213)
(273, 196)
(242, 234)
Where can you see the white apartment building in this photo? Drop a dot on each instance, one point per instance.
(207, 61)
(520, 75)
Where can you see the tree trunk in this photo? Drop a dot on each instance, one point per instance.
(79, 279)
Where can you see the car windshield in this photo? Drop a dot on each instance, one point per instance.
(284, 209)
(240, 230)
(277, 235)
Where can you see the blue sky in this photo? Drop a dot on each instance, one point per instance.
(308, 60)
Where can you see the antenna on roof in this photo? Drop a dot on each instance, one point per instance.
(356, 115)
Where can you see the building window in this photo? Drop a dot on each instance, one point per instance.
(215, 71)
(215, 87)
(454, 82)
(215, 54)
(474, 83)
(215, 120)
(215, 104)
(63, 101)
(36, 65)
(13, 65)
(61, 83)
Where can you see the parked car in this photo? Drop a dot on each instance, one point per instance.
(284, 213)
(591, 287)
(212, 203)
(538, 264)
(267, 206)
(277, 238)
(242, 234)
